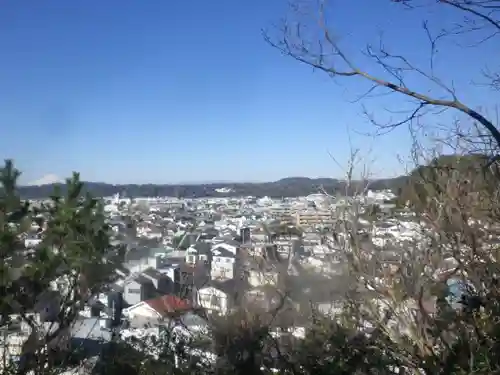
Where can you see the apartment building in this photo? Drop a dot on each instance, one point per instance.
(282, 211)
(314, 217)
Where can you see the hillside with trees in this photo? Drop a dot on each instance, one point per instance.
(286, 187)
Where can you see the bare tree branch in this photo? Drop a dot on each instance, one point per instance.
(327, 56)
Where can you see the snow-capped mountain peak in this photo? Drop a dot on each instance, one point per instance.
(47, 180)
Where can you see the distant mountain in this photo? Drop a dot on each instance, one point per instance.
(47, 180)
(286, 187)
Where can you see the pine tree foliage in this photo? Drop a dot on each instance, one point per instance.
(73, 261)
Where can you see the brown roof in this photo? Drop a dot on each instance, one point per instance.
(168, 304)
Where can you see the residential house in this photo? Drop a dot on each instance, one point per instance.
(156, 309)
(223, 263)
(230, 245)
(228, 239)
(32, 240)
(91, 339)
(311, 240)
(170, 229)
(218, 297)
(162, 282)
(213, 300)
(192, 278)
(208, 233)
(256, 249)
(259, 235)
(262, 270)
(148, 284)
(122, 271)
(288, 245)
(331, 309)
(18, 339)
(257, 277)
(137, 255)
(199, 252)
(265, 297)
(136, 289)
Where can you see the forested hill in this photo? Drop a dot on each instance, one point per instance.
(286, 187)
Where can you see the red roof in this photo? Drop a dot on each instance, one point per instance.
(168, 304)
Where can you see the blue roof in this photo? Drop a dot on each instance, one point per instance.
(89, 328)
(456, 289)
(88, 337)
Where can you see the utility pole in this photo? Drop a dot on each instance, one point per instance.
(116, 305)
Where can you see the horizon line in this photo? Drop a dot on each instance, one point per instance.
(212, 182)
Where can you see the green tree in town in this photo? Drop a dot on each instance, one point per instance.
(54, 280)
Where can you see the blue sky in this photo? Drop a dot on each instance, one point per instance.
(174, 91)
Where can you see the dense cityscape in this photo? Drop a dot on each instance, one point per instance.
(289, 187)
(204, 258)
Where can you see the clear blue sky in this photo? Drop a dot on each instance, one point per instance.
(174, 91)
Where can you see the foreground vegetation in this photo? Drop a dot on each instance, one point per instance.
(387, 326)
(379, 334)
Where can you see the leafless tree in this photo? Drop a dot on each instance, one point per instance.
(454, 201)
(314, 41)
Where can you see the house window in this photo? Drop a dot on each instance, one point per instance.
(205, 298)
(134, 291)
(215, 300)
(223, 272)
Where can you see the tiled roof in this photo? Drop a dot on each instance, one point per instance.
(220, 251)
(168, 304)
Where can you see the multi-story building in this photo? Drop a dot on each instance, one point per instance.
(282, 211)
(314, 217)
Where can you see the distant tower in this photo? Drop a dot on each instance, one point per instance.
(245, 235)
